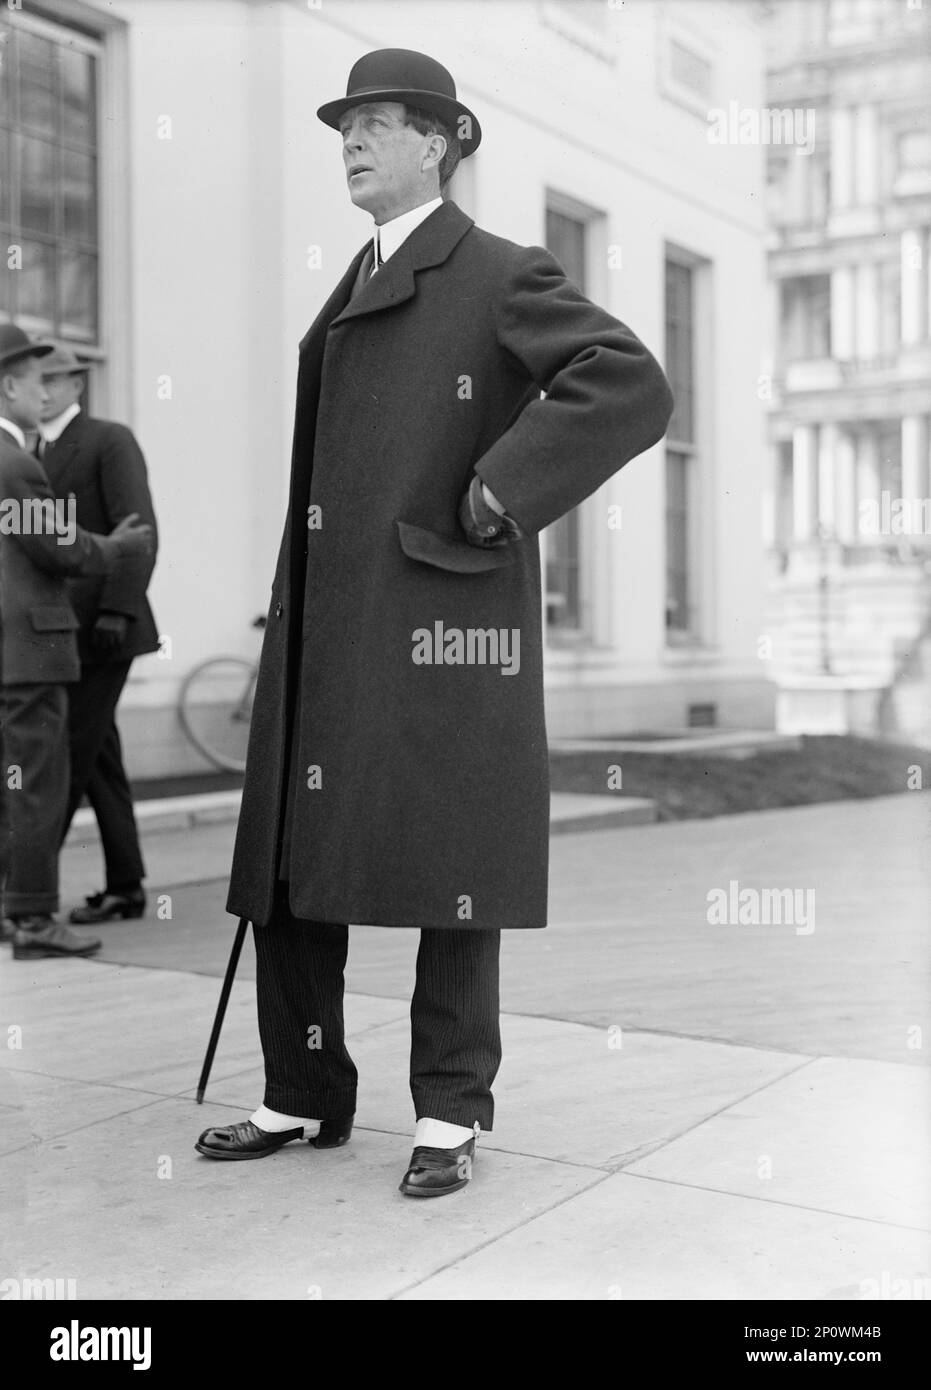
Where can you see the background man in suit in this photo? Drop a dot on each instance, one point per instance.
(100, 465)
(39, 545)
(392, 778)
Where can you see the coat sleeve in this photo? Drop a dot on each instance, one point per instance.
(124, 487)
(84, 553)
(606, 399)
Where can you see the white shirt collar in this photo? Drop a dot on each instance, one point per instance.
(390, 234)
(14, 430)
(51, 430)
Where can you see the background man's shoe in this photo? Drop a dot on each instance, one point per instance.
(106, 907)
(40, 935)
(246, 1140)
(434, 1172)
(7, 928)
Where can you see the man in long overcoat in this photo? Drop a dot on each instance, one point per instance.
(397, 769)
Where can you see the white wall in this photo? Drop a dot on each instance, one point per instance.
(203, 267)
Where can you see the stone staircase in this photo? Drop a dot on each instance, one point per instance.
(852, 653)
(906, 709)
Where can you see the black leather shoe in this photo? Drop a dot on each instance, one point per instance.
(434, 1172)
(105, 907)
(40, 936)
(246, 1140)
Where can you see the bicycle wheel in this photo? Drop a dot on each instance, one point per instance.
(215, 709)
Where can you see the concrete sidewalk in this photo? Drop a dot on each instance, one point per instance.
(685, 1110)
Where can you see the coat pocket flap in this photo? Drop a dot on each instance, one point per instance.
(433, 549)
(49, 619)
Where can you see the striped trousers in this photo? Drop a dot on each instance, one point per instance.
(455, 1033)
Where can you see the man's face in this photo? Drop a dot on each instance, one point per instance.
(25, 395)
(384, 160)
(62, 389)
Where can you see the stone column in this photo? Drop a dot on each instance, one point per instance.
(915, 479)
(804, 440)
(866, 168)
(845, 483)
(867, 485)
(842, 313)
(827, 459)
(841, 157)
(914, 274)
(867, 311)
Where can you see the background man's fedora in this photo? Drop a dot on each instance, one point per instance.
(15, 345)
(401, 74)
(63, 362)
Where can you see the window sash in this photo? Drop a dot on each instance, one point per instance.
(680, 615)
(566, 238)
(55, 214)
(682, 458)
(680, 348)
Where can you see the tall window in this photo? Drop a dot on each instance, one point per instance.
(681, 452)
(565, 237)
(806, 317)
(48, 180)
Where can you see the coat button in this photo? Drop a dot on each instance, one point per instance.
(278, 610)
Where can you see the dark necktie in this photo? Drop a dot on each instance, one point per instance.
(366, 270)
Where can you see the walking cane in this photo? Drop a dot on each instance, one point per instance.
(221, 1007)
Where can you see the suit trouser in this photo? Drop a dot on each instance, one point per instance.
(455, 1034)
(35, 741)
(97, 771)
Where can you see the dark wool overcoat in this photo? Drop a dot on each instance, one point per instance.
(397, 767)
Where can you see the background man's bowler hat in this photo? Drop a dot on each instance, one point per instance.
(63, 362)
(400, 74)
(15, 345)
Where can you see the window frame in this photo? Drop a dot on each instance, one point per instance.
(671, 30)
(106, 37)
(698, 452)
(63, 36)
(586, 634)
(599, 43)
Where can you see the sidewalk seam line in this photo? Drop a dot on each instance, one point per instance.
(774, 1202)
(493, 1240)
(713, 1115)
(34, 1142)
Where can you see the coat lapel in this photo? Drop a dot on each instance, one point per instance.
(429, 244)
(313, 338)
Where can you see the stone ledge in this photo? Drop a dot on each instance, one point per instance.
(568, 812)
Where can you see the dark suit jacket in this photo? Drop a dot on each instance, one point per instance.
(101, 465)
(37, 623)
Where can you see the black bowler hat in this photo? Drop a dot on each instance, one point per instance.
(400, 74)
(14, 345)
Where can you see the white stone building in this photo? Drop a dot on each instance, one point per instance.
(849, 254)
(183, 216)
